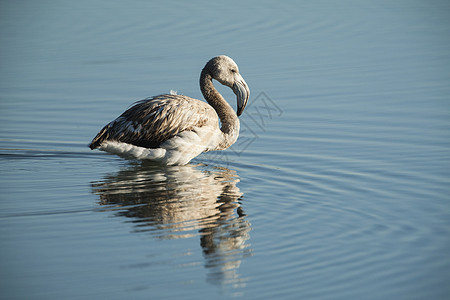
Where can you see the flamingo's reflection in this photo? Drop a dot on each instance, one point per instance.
(185, 201)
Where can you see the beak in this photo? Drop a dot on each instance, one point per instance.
(242, 92)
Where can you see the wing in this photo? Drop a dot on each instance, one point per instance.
(150, 122)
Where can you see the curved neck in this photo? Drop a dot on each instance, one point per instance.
(227, 116)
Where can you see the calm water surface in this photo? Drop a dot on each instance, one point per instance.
(338, 187)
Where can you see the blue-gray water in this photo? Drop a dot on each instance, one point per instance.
(338, 188)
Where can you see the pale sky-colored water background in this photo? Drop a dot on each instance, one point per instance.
(338, 187)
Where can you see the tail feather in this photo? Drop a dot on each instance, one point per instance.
(99, 138)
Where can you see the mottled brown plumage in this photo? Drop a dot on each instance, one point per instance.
(151, 121)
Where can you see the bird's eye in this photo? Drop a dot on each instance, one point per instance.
(233, 70)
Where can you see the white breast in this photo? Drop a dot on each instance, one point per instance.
(178, 150)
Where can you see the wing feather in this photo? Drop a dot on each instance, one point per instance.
(151, 121)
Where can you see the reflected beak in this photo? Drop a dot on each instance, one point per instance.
(242, 92)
